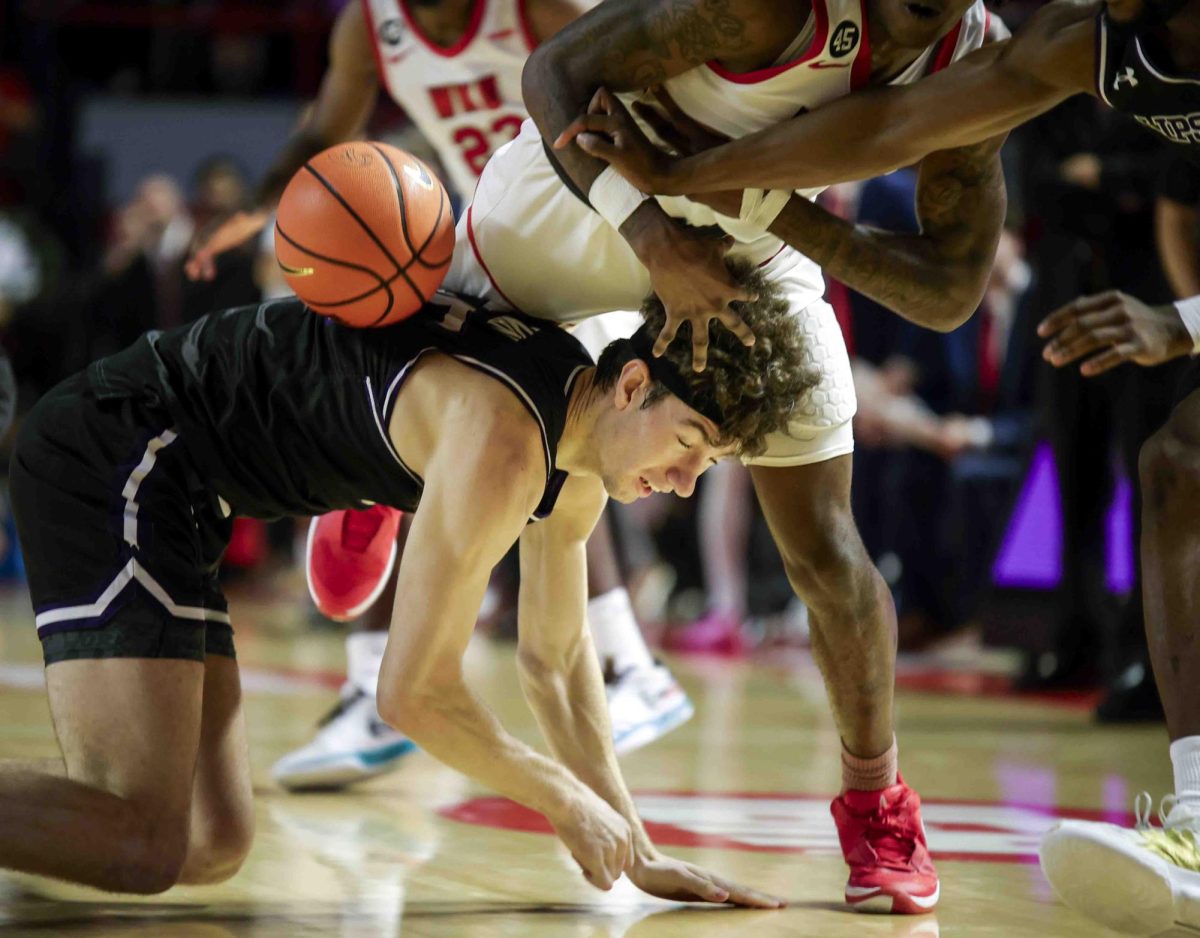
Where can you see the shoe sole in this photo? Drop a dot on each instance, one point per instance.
(355, 611)
(1103, 877)
(883, 902)
(645, 733)
(340, 770)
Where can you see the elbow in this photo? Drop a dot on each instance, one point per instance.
(957, 299)
(405, 712)
(949, 316)
(543, 70)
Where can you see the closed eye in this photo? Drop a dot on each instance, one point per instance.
(682, 443)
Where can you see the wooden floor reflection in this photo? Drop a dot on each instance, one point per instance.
(743, 788)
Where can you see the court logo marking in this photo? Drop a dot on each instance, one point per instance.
(783, 823)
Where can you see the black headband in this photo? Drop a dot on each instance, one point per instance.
(663, 371)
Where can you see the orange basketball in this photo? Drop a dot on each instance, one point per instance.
(364, 233)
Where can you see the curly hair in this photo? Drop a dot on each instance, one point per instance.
(754, 389)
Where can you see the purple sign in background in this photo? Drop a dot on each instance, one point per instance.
(1030, 555)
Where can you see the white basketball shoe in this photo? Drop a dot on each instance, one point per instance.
(1144, 881)
(644, 703)
(352, 744)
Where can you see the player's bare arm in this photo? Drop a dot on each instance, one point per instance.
(934, 277)
(1177, 233)
(561, 678)
(982, 96)
(627, 45)
(485, 472)
(340, 112)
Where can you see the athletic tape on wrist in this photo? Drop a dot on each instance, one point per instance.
(1189, 312)
(760, 208)
(614, 197)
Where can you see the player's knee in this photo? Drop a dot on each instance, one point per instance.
(219, 852)
(824, 565)
(154, 855)
(1169, 469)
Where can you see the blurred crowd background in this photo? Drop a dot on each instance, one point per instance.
(992, 490)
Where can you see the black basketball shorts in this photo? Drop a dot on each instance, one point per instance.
(121, 540)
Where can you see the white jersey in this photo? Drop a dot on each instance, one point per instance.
(465, 100)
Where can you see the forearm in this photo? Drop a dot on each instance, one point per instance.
(907, 273)
(572, 711)
(1179, 246)
(453, 726)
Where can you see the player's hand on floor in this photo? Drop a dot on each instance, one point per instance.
(242, 226)
(608, 132)
(1111, 328)
(683, 882)
(598, 837)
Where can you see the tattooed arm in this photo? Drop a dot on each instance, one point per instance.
(935, 277)
(631, 44)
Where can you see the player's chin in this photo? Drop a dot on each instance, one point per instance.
(624, 491)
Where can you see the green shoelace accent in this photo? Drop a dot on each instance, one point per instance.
(1175, 846)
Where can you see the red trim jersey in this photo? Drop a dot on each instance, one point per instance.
(466, 99)
(829, 59)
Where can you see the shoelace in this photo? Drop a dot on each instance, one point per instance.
(1176, 840)
(344, 703)
(358, 528)
(889, 836)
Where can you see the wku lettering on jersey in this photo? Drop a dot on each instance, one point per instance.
(1178, 128)
(481, 95)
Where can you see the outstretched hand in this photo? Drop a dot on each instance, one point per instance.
(683, 882)
(242, 226)
(1112, 328)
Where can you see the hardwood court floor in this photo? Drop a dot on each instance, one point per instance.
(743, 788)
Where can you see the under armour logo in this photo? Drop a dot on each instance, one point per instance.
(1126, 76)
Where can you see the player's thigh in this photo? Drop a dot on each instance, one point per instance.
(131, 727)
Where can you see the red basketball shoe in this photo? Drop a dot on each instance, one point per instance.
(349, 558)
(883, 841)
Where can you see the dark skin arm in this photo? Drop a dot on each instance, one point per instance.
(934, 277)
(626, 45)
(979, 98)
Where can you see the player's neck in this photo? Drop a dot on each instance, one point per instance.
(445, 22)
(576, 449)
(888, 57)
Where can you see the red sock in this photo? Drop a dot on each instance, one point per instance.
(874, 774)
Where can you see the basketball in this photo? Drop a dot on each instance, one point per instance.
(364, 233)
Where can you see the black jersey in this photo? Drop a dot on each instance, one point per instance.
(1130, 82)
(286, 413)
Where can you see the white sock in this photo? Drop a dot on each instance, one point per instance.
(1185, 758)
(364, 657)
(615, 631)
